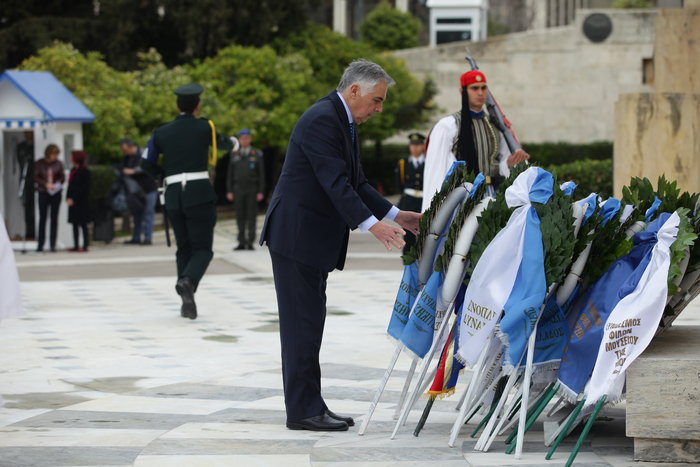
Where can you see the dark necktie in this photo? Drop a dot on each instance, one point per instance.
(353, 132)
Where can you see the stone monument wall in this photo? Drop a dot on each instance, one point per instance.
(553, 84)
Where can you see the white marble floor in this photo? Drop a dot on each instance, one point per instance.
(104, 372)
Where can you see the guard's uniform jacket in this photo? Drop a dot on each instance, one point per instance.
(410, 183)
(189, 195)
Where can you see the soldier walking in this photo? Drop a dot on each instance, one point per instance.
(189, 195)
(245, 185)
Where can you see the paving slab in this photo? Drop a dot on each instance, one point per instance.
(102, 371)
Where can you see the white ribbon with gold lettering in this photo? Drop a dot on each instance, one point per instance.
(633, 322)
(494, 275)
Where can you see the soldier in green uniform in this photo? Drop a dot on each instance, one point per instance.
(410, 180)
(189, 195)
(245, 185)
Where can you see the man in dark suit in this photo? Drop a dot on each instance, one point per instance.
(189, 195)
(322, 193)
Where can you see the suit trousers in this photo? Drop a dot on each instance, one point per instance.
(194, 235)
(301, 302)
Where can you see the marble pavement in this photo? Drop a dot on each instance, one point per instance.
(102, 371)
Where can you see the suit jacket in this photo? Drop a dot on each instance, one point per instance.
(322, 191)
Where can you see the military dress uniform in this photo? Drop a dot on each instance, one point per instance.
(246, 178)
(410, 181)
(190, 200)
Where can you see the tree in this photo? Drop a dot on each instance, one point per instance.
(28, 25)
(387, 28)
(105, 91)
(409, 103)
(120, 29)
(254, 88)
(153, 85)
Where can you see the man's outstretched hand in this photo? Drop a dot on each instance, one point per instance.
(408, 220)
(388, 235)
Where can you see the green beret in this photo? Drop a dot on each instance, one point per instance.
(192, 89)
(416, 138)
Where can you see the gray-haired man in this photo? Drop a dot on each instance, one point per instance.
(322, 193)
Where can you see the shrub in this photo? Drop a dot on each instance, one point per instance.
(590, 176)
(562, 153)
(101, 178)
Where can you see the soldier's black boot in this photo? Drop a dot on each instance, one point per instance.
(185, 288)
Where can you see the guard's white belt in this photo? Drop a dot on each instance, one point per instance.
(412, 192)
(185, 177)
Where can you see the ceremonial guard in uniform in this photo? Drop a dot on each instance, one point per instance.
(410, 180)
(468, 135)
(189, 195)
(245, 187)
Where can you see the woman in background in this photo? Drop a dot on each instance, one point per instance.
(77, 199)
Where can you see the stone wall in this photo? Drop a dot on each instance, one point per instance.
(553, 84)
(655, 134)
(676, 56)
(658, 132)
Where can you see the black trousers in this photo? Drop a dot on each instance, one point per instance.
(246, 205)
(76, 234)
(48, 203)
(301, 302)
(194, 235)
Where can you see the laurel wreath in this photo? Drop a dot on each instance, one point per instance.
(458, 176)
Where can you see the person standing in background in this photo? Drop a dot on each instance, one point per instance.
(246, 187)
(468, 135)
(143, 218)
(410, 180)
(49, 177)
(77, 198)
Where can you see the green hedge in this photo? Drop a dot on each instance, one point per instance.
(101, 177)
(589, 165)
(589, 175)
(544, 154)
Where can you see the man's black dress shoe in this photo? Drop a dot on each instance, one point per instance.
(185, 288)
(318, 423)
(347, 420)
(249, 247)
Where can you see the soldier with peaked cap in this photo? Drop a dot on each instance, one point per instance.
(189, 195)
(467, 135)
(245, 187)
(409, 173)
